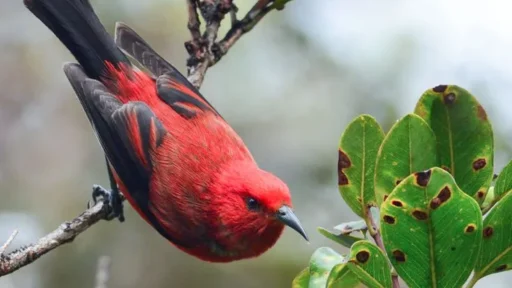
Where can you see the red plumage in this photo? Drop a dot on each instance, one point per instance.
(176, 160)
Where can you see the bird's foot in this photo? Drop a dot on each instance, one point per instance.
(113, 199)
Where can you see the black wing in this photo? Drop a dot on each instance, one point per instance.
(126, 132)
(128, 40)
(173, 87)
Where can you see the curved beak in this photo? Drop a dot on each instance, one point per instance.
(286, 215)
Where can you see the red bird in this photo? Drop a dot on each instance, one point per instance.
(171, 154)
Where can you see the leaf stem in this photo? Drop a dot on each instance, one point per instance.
(375, 233)
(473, 281)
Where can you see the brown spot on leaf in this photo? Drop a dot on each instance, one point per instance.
(501, 268)
(420, 215)
(435, 203)
(470, 228)
(445, 194)
(479, 164)
(442, 197)
(480, 112)
(385, 197)
(342, 179)
(362, 256)
(397, 203)
(488, 231)
(399, 256)
(389, 219)
(480, 194)
(398, 182)
(343, 162)
(449, 98)
(440, 88)
(446, 168)
(423, 177)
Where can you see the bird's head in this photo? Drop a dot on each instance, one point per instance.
(252, 206)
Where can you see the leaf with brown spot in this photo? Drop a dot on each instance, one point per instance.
(370, 265)
(496, 253)
(464, 136)
(422, 241)
(502, 187)
(410, 146)
(356, 163)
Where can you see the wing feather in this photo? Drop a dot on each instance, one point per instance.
(127, 134)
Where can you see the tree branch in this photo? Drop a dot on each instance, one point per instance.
(8, 242)
(193, 21)
(208, 52)
(65, 233)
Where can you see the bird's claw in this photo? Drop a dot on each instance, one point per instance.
(113, 199)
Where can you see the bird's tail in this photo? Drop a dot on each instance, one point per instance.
(79, 29)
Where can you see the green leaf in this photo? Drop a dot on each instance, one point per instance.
(496, 253)
(320, 265)
(342, 277)
(432, 230)
(489, 201)
(503, 183)
(370, 265)
(358, 149)
(352, 226)
(343, 239)
(302, 279)
(279, 4)
(409, 146)
(464, 136)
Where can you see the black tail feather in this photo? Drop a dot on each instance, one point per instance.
(79, 29)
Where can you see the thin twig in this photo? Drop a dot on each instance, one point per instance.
(257, 12)
(210, 52)
(103, 272)
(193, 21)
(8, 242)
(375, 233)
(201, 57)
(65, 233)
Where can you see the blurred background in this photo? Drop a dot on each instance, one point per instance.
(289, 88)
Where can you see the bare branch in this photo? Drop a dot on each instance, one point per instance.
(258, 11)
(8, 242)
(65, 233)
(193, 21)
(103, 272)
(209, 52)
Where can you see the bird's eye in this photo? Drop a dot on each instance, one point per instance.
(252, 204)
